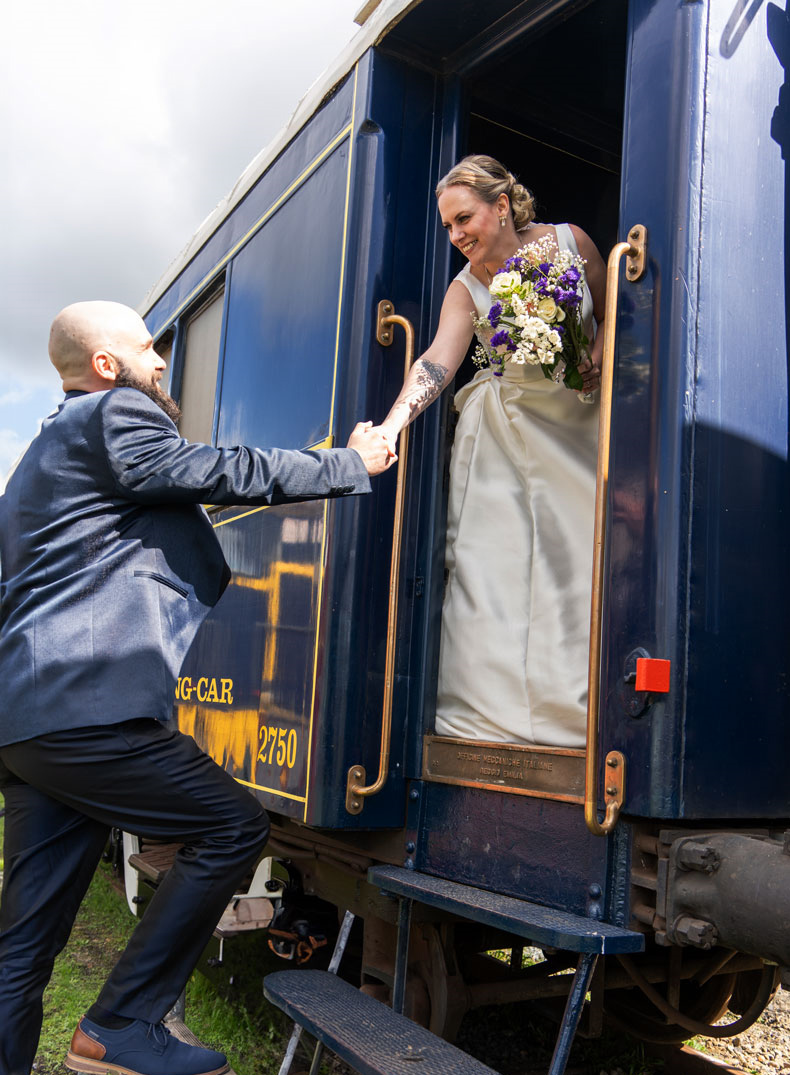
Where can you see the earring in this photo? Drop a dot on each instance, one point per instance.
(502, 222)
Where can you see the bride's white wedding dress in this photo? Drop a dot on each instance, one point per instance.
(516, 616)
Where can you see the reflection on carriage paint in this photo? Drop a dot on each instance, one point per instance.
(260, 746)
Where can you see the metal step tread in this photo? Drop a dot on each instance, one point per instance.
(542, 925)
(367, 1035)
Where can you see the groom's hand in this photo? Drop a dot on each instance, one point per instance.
(372, 446)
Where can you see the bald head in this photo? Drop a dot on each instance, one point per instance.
(86, 329)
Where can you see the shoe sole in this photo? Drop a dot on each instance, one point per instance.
(96, 1067)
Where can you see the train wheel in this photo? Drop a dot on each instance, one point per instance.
(631, 1012)
(646, 1012)
(746, 987)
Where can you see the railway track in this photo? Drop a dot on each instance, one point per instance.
(687, 1061)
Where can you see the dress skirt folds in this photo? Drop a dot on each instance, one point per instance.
(516, 617)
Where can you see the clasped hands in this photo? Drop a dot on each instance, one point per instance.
(375, 445)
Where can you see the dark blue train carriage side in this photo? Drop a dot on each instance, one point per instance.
(666, 114)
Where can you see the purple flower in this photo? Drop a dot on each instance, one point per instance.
(494, 314)
(544, 267)
(503, 337)
(567, 298)
(514, 263)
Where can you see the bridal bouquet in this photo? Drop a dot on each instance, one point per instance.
(536, 316)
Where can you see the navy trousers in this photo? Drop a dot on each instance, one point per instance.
(63, 792)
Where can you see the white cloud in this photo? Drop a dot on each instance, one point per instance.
(122, 126)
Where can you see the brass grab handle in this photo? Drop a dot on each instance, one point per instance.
(356, 791)
(614, 784)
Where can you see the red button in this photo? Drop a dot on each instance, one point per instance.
(652, 675)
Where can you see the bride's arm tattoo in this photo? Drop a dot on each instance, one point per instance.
(429, 383)
(424, 383)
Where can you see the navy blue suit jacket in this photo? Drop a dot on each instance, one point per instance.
(109, 562)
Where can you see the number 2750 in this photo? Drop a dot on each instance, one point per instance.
(278, 746)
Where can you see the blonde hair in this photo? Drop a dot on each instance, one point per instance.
(488, 179)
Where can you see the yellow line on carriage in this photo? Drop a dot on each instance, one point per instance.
(343, 251)
(322, 563)
(272, 791)
(327, 442)
(244, 514)
(286, 194)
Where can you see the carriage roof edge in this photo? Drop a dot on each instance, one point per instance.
(375, 28)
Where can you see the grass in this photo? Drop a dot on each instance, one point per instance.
(225, 1007)
(99, 935)
(226, 1011)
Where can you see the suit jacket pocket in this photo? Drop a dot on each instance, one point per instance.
(163, 579)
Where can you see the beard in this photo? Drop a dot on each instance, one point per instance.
(125, 378)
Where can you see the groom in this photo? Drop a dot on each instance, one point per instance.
(109, 566)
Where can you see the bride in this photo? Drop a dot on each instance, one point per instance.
(515, 621)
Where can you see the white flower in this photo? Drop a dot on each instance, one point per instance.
(547, 309)
(504, 282)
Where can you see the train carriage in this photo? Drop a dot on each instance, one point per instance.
(660, 126)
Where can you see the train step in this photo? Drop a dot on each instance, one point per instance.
(543, 926)
(367, 1035)
(155, 860)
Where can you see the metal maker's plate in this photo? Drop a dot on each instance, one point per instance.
(546, 772)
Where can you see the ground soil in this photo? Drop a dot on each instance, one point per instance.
(764, 1048)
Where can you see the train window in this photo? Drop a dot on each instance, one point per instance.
(203, 336)
(283, 308)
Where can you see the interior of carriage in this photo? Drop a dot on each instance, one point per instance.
(551, 108)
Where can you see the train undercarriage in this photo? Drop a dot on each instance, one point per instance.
(664, 995)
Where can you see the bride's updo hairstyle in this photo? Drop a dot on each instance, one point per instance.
(488, 179)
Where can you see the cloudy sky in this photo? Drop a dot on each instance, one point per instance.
(123, 123)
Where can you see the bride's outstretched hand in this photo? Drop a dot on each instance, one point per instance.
(391, 439)
(372, 446)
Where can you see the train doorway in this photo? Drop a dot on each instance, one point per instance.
(550, 105)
